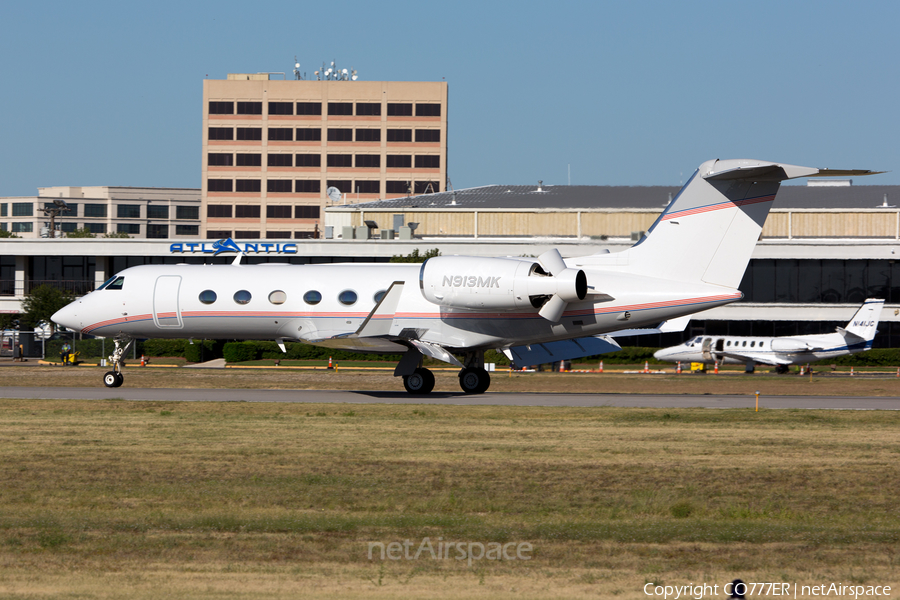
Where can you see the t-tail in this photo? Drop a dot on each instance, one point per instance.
(864, 324)
(708, 232)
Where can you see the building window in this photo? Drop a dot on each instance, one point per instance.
(129, 228)
(428, 162)
(214, 159)
(278, 212)
(309, 160)
(397, 187)
(306, 134)
(366, 161)
(308, 186)
(95, 210)
(128, 211)
(22, 227)
(368, 109)
(428, 110)
(221, 133)
(277, 235)
(399, 135)
(22, 209)
(221, 108)
(428, 135)
(187, 230)
(246, 235)
(345, 187)
(340, 108)
(399, 161)
(249, 133)
(249, 108)
(246, 211)
(399, 110)
(309, 108)
(95, 227)
(368, 135)
(340, 160)
(340, 135)
(247, 185)
(219, 185)
(187, 212)
(280, 160)
(217, 234)
(281, 134)
(68, 227)
(368, 187)
(427, 187)
(249, 160)
(283, 186)
(306, 212)
(218, 211)
(156, 212)
(157, 231)
(281, 108)
(3, 210)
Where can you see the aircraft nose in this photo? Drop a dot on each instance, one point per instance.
(67, 316)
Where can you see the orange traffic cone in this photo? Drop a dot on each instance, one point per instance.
(716, 371)
(329, 363)
(601, 369)
(143, 360)
(678, 367)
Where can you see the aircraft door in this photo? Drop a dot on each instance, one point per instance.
(707, 344)
(166, 310)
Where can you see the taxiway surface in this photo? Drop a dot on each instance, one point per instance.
(456, 398)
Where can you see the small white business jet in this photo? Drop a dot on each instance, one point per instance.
(781, 352)
(453, 308)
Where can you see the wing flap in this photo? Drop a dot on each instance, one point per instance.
(535, 354)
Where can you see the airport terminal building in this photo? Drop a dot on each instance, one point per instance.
(822, 252)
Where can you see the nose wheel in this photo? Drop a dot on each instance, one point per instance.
(113, 379)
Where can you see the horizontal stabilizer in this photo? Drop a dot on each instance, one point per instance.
(670, 326)
(536, 354)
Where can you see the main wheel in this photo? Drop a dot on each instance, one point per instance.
(420, 382)
(474, 381)
(120, 378)
(112, 379)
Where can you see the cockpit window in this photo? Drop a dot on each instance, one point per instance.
(107, 282)
(115, 285)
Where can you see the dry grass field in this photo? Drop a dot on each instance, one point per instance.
(114, 499)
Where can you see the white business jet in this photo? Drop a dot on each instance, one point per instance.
(781, 352)
(453, 308)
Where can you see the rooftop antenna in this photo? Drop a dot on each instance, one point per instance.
(884, 203)
(297, 75)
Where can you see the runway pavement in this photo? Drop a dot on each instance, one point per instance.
(454, 398)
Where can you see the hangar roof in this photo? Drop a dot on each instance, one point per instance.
(598, 196)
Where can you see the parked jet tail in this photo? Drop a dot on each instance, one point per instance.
(711, 227)
(864, 323)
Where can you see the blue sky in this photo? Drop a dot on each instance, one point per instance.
(627, 93)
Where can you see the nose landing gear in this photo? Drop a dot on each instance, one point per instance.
(114, 378)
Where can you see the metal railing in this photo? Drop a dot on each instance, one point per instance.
(76, 287)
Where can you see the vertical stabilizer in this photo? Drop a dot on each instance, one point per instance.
(865, 322)
(708, 232)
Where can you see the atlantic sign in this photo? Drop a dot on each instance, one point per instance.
(228, 245)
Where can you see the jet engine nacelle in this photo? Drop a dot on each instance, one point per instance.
(502, 283)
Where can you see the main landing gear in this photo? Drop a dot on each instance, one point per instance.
(473, 378)
(114, 378)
